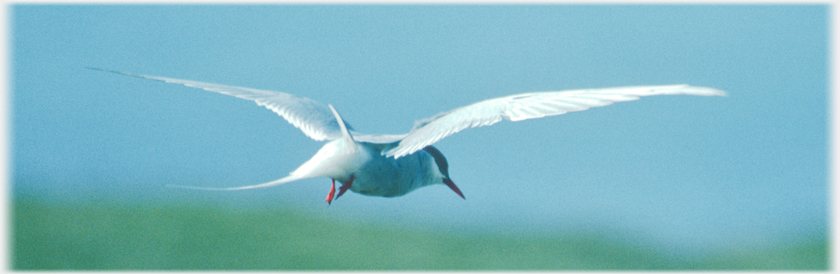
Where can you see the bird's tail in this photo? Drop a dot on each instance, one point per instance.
(280, 181)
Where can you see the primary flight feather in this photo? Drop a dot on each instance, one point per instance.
(393, 165)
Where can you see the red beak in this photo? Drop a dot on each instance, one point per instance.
(451, 185)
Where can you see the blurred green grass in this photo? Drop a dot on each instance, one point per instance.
(112, 236)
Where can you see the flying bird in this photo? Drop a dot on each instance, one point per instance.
(394, 165)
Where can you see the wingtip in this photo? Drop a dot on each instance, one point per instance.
(112, 71)
(712, 91)
(192, 187)
(183, 186)
(103, 70)
(707, 91)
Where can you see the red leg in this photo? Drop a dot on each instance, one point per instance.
(344, 187)
(332, 192)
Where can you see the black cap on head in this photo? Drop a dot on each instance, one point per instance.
(443, 166)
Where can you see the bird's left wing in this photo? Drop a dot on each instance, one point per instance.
(313, 118)
(528, 106)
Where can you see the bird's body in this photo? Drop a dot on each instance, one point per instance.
(394, 165)
(365, 170)
(389, 177)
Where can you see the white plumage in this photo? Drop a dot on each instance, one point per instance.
(393, 165)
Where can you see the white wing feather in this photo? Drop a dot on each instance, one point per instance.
(528, 106)
(317, 121)
(313, 118)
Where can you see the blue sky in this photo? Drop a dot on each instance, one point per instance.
(682, 171)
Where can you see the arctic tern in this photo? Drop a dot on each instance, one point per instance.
(394, 165)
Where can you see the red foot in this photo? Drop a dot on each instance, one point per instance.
(332, 191)
(344, 187)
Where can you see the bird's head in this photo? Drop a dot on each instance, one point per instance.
(443, 167)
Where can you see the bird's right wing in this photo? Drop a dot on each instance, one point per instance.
(313, 118)
(527, 106)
